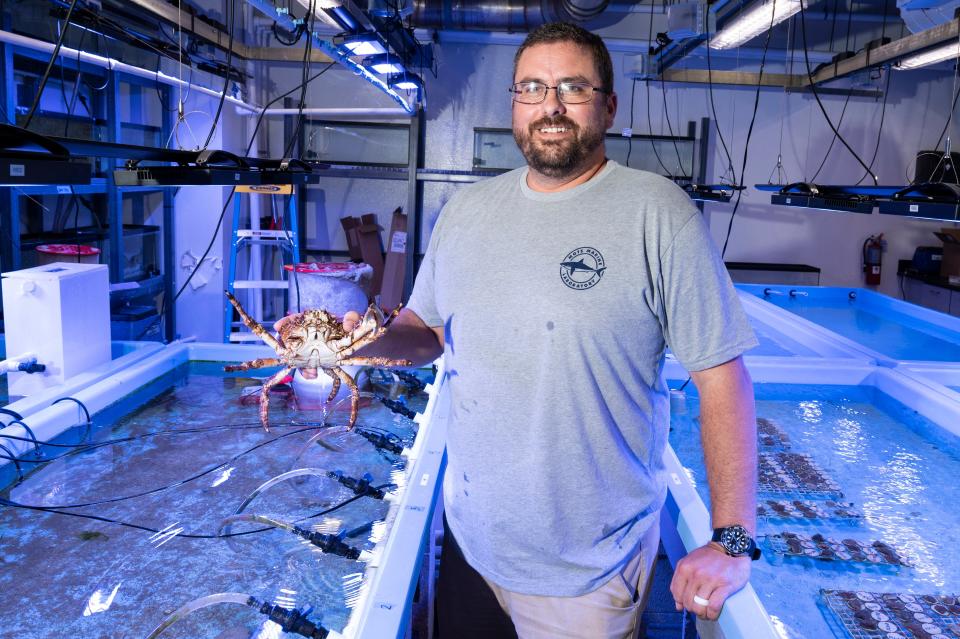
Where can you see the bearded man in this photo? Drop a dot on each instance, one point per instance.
(553, 292)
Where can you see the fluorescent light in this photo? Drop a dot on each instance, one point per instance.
(406, 82)
(360, 44)
(932, 56)
(754, 21)
(384, 64)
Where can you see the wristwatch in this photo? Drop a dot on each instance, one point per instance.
(736, 542)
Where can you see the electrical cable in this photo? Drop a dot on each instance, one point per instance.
(713, 109)
(883, 113)
(72, 102)
(223, 212)
(50, 63)
(307, 60)
(202, 473)
(633, 95)
(956, 95)
(816, 95)
(126, 524)
(946, 128)
(666, 115)
(297, 34)
(653, 145)
(753, 119)
(227, 77)
(833, 140)
(85, 447)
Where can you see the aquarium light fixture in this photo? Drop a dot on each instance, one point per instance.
(931, 56)
(753, 21)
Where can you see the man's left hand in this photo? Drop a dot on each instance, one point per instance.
(708, 574)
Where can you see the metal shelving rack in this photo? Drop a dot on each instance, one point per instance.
(105, 106)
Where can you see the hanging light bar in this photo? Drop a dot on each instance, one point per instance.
(754, 21)
(405, 82)
(359, 44)
(384, 64)
(939, 54)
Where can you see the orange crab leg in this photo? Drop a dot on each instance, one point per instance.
(254, 325)
(354, 395)
(253, 363)
(336, 384)
(265, 396)
(380, 362)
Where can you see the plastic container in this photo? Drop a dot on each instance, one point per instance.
(78, 253)
(61, 313)
(337, 287)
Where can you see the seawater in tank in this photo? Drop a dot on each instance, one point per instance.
(845, 466)
(888, 328)
(133, 515)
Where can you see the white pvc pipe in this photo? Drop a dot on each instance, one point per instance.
(13, 363)
(116, 65)
(159, 76)
(347, 113)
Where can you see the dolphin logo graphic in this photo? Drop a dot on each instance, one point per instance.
(573, 267)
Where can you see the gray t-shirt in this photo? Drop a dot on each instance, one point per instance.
(557, 310)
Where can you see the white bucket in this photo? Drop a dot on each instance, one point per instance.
(312, 393)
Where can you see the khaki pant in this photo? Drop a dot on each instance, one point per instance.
(610, 612)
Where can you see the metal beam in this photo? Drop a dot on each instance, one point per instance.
(914, 43)
(286, 54)
(745, 78)
(790, 83)
(188, 22)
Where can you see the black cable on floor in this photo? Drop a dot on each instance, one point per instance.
(203, 473)
(107, 520)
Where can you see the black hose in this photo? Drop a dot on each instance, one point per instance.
(53, 59)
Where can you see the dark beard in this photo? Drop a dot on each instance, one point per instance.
(562, 158)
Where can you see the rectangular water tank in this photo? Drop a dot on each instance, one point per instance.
(61, 313)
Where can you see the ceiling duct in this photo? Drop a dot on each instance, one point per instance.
(502, 15)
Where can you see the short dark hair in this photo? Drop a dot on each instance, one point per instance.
(565, 32)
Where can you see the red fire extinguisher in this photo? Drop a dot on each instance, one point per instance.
(872, 258)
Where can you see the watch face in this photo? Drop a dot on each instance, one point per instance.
(735, 539)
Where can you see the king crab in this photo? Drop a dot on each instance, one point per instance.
(316, 339)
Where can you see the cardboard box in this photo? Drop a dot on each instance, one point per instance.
(391, 292)
(368, 238)
(951, 251)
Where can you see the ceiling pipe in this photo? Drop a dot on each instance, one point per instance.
(502, 15)
(355, 112)
(73, 55)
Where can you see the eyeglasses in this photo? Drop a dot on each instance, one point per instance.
(567, 92)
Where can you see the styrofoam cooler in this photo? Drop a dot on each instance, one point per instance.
(337, 287)
(60, 312)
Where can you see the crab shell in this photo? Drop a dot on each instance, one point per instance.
(316, 339)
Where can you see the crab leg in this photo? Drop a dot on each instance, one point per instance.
(253, 363)
(265, 396)
(254, 325)
(371, 328)
(336, 384)
(354, 395)
(380, 362)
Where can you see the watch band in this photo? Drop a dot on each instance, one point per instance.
(752, 550)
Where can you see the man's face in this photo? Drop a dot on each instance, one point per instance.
(560, 140)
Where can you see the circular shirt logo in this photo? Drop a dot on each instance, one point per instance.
(582, 268)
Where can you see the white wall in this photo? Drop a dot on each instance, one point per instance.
(471, 92)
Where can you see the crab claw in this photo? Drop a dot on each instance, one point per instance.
(372, 320)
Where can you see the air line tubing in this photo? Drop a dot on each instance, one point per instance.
(197, 604)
